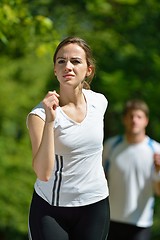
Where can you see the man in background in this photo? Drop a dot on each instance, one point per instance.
(132, 166)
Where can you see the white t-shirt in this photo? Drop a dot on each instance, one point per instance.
(130, 180)
(78, 177)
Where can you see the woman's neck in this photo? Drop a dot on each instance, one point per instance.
(71, 96)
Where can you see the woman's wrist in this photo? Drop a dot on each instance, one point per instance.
(49, 123)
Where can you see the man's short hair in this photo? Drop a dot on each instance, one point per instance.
(136, 104)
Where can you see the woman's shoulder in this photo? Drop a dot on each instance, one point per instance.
(98, 100)
(95, 95)
(39, 111)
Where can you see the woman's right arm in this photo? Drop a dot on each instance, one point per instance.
(42, 138)
(42, 141)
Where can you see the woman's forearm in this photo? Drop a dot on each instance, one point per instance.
(43, 161)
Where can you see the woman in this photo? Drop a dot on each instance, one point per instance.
(70, 199)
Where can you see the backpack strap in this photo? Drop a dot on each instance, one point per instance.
(117, 141)
(150, 143)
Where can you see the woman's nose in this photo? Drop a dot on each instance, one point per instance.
(68, 65)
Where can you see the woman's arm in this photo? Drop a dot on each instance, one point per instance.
(42, 141)
(42, 137)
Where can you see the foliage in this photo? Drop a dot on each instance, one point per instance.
(124, 36)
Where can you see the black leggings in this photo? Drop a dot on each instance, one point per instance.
(48, 222)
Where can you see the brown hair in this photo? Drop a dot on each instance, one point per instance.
(136, 104)
(89, 58)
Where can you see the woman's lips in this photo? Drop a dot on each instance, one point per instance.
(68, 76)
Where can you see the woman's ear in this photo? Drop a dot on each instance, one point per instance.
(89, 71)
(54, 72)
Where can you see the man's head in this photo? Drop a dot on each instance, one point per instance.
(136, 104)
(135, 117)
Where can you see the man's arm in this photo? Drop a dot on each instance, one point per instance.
(156, 174)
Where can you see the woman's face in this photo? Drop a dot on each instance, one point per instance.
(71, 66)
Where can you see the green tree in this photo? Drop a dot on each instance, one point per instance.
(124, 36)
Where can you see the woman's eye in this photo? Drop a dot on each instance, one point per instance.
(61, 61)
(75, 61)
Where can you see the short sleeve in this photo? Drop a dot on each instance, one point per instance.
(39, 111)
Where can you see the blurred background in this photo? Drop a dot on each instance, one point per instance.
(125, 38)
